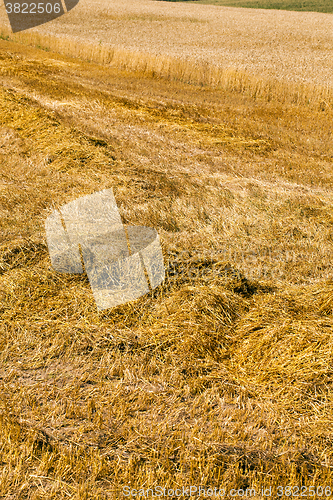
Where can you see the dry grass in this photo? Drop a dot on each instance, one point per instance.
(274, 55)
(222, 375)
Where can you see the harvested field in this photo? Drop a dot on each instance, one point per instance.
(220, 377)
(261, 52)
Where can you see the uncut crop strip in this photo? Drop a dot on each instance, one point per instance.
(275, 55)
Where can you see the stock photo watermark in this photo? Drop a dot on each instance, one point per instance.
(206, 492)
(122, 263)
(23, 15)
(258, 263)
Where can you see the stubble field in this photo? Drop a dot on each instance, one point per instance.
(266, 53)
(221, 377)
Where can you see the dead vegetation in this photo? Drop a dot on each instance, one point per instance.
(266, 54)
(222, 375)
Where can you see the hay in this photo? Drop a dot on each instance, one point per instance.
(223, 373)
